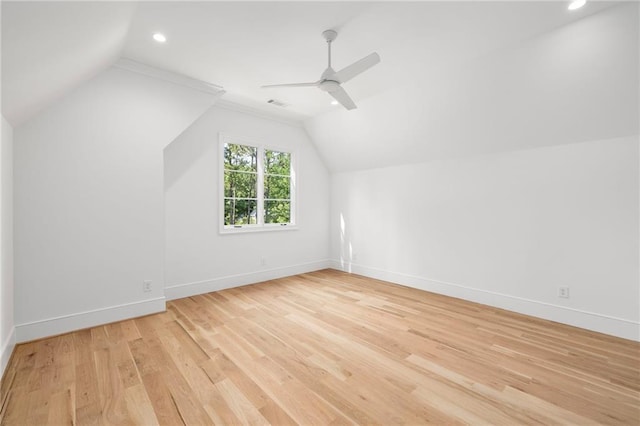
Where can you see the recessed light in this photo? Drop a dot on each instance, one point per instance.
(577, 4)
(159, 37)
(334, 102)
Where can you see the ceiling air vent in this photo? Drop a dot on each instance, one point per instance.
(277, 103)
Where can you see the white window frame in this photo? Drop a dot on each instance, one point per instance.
(260, 226)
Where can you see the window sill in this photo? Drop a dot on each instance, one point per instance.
(252, 229)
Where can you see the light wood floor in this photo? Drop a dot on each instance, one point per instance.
(325, 348)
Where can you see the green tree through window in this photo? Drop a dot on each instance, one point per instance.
(277, 187)
(258, 186)
(240, 184)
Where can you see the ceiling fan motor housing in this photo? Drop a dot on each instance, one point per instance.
(328, 74)
(329, 86)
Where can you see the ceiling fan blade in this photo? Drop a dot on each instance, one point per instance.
(356, 68)
(268, 86)
(341, 96)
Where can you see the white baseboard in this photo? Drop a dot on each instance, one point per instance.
(66, 323)
(191, 289)
(7, 349)
(618, 327)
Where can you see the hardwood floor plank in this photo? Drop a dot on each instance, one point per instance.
(275, 415)
(130, 331)
(324, 348)
(110, 389)
(157, 391)
(139, 406)
(245, 411)
(190, 364)
(62, 411)
(190, 410)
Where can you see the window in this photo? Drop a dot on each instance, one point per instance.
(257, 187)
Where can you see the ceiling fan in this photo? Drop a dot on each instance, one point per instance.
(330, 80)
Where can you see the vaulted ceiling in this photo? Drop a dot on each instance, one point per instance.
(48, 48)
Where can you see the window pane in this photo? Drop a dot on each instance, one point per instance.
(277, 187)
(240, 157)
(244, 202)
(240, 212)
(277, 211)
(278, 163)
(240, 185)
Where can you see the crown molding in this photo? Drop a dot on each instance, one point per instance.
(203, 86)
(182, 80)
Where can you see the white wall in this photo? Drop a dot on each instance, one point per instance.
(558, 206)
(89, 201)
(505, 230)
(7, 330)
(198, 258)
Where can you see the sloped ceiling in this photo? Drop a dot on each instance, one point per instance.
(424, 79)
(242, 46)
(49, 48)
(576, 83)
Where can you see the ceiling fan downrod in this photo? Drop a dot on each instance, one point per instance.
(329, 35)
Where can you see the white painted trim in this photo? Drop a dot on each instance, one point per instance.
(66, 323)
(618, 327)
(245, 229)
(7, 350)
(140, 68)
(215, 284)
(261, 146)
(256, 112)
(204, 86)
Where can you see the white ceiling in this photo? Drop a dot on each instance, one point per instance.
(50, 47)
(456, 78)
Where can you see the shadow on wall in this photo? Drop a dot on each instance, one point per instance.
(183, 152)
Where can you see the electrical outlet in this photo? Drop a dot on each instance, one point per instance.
(563, 292)
(263, 261)
(146, 286)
